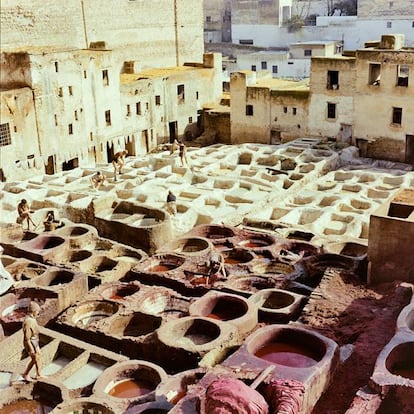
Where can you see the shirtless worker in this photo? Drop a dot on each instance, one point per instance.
(118, 162)
(97, 180)
(31, 341)
(23, 210)
(171, 205)
(216, 265)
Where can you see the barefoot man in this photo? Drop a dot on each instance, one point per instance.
(31, 341)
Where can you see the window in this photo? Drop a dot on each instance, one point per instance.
(331, 111)
(249, 110)
(291, 63)
(412, 24)
(129, 67)
(5, 137)
(274, 69)
(105, 77)
(402, 75)
(197, 95)
(56, 67)
(128, 113)
(157, 100)
(374, 74)
(85, 74)
(285, 109)
(208, 19)
(389, 25)
(246, 41)
(76, 115)
(60, 92)
(108, 117)
(180, 93)
(264, 65)
(70, 129)
(333, 79)
(190, 120)
(294, 111)
(396, 116)
(138, 108)
(254, 68)
(56, 120)
(91, 136)
(391, 4)
(147, 105)
(307, 52)
(70, 90)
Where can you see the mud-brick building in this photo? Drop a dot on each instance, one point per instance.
(83, 72)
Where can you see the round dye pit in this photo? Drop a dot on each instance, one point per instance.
(155, 303)
(135, 325)
(26, 407)
(290, 347)
(277, 300)
(237, 256)
(120, 292)
(81, 407)
(131, 388)
(79, 255)
(60, 277)
(191, 245)
(275, 267)
(201, 332)
(73, 231)
(46, 242)
(227, 308)
(255, 243)
(321, 262)
(165, 263)
(215, 232)
(400, 361)
(89, 313)
(251, 283)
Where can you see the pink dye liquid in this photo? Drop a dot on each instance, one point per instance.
(287, 354)
(131, 388)
(26, 407)
(15, 316)
(161, 268)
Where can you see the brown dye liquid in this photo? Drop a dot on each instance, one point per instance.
(231, 260)
(161, 268)
(116, 297)
(214, 316)
(131, 388)
(26, 407)
(406, 371)
(287, 354)
(178, 397)
(254, 243)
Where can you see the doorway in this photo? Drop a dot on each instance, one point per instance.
(109, 151)
(409, 149)
(173, 126)
(50, 167)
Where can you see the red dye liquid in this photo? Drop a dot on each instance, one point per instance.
(287, 354)
(214, 316)
(116, 297)
(231, 260)
(17, 315)
(251, 244)
(406, 371)
(26, 407)
(161, 268)
(131, 388)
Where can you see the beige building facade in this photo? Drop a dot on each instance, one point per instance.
(130, 81)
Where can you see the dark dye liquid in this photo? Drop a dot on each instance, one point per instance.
(232, 260)
(131, 388)
(161, 268)
(287, 354)
(404, 370)
(251, 244)
(26, 407)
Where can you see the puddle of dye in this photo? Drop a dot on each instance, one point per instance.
(84, 376)
(55, 366)
(26, 407)
(131, 388)
(161, 268)
(287, 354)
(406, 371)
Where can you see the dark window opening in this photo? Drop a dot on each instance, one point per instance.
(60, 92)
(389, 25)
(5, 137)
(157, 100)
(208, 19)
(246, 41)
(307, 52)
(138, 108)
(374, 74)
(274, 69)
(294, 111)
(254, 68)
(70, 129)
(70, 90)
(76, 115)
(285, 109)
(396, 116)
(402, 75)
(331, 110)
(197, 95)
(56, 120)
(70, 165)
(56, 67)
(108, 117)
(105, 77)
(264, 65)
(180, 93)
(333, 79)
(128, 113)
(249, 110)
(190, 120)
